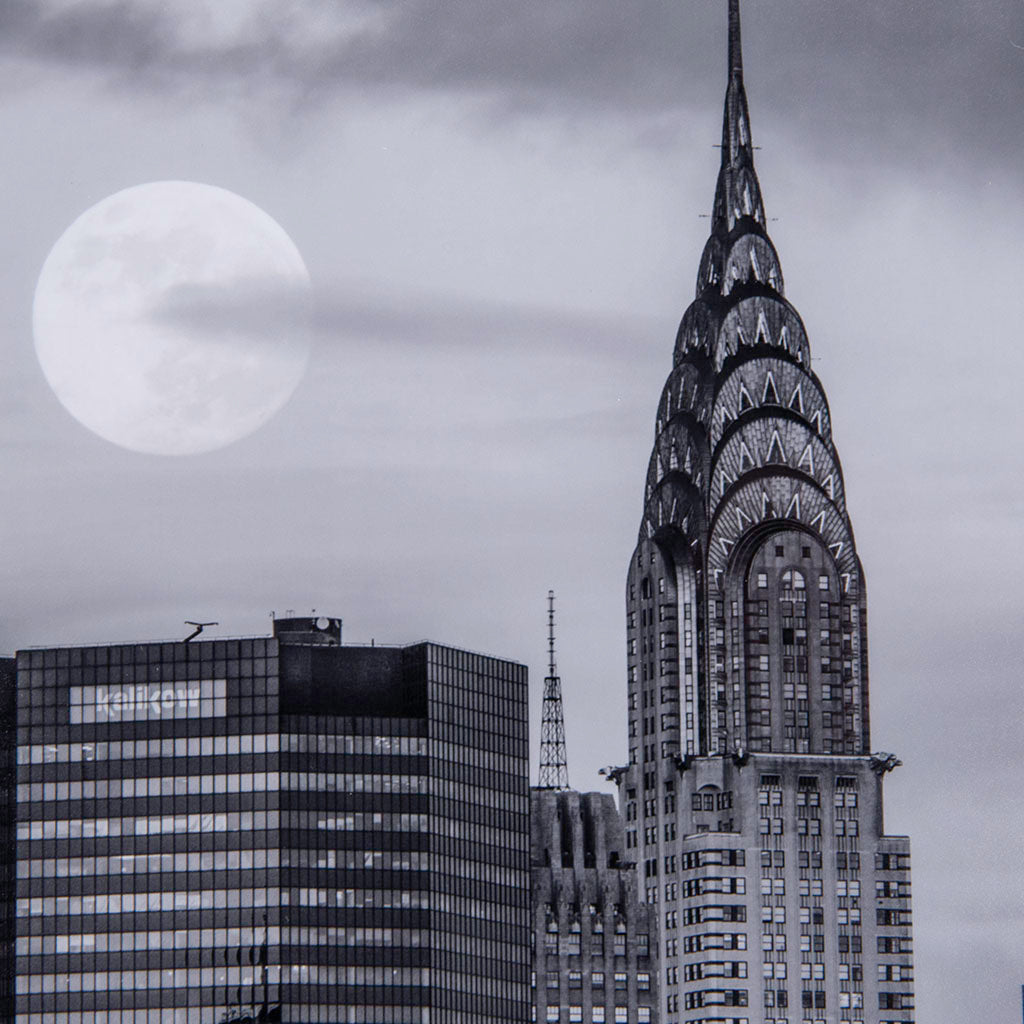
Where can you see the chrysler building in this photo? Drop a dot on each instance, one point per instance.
(752, 796)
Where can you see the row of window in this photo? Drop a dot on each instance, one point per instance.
(210, 746)
(206, 977)
(350, 1013)
(311, 897)
(792, 579)
(808, 887)
(232, 821)
(574, 979)
(248, 782)
(216, 899)
(809, 826)
(133, 903)
(150, 863)
(702, 943)
(574, 1015)
(572, 945)
(215, 938)
(807, 798)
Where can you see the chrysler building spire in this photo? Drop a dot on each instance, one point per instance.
(747, 683)
(744, 473)
(738, 195)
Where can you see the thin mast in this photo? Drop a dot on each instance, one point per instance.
(554, 769)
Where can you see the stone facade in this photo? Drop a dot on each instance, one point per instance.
(595, 942)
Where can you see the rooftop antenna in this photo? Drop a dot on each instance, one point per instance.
(199, 627)
(554, 769)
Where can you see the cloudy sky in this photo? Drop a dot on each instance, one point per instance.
(500, 207)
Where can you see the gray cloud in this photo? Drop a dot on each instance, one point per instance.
(919, 78)
(346, 313)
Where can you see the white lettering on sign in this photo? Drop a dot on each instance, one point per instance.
(135, 702)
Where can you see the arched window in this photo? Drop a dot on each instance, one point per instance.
(793, 579)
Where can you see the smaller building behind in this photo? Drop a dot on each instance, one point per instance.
(595, 942)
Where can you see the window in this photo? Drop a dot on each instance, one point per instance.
(823, 582)
(575, 1014)
(621, 980)
(552, 1017)
(597, 979)
(598, 1015)
(793, 579)
(762, 580)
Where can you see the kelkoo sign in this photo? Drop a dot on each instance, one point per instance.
(204, 698)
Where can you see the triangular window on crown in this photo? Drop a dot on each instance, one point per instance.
(746, 459)
(770, 396)
(807, 459)
(673, 459)
(796, 400)
(746, 402)
(776, 453)
(754, 264)
(763, 335)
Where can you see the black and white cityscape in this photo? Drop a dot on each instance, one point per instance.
(537, 332)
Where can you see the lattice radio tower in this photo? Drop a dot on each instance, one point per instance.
(554, 768)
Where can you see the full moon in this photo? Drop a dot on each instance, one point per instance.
(171, 318)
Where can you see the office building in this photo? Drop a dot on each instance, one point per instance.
(594, 941)
(271, 829)
(752, 797)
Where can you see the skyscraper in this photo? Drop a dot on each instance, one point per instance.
(753, 801)
(275, 828)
